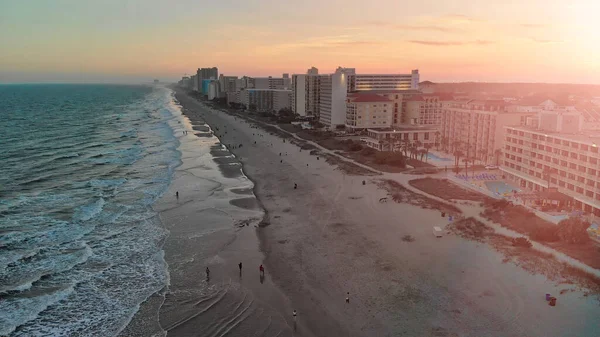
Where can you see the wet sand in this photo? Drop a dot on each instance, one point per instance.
(332, 235)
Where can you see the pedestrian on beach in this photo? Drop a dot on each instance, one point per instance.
(207, 272)
(295, 186)
(261, 269)
(281, 161)
(177, 194)
(240, 265)
(348, 297)
(294, 314)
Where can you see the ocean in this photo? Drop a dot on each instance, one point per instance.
(81, 167)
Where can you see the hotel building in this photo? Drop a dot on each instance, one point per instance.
(306, 91)
(266, 100)
(368, 111)
(365, 82)
(398, 107)
(554, 151)
(332, 98)
(477, 127)
(206, 74)
(336, 87)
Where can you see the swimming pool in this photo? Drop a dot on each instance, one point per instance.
(501, 187)
(434, 157)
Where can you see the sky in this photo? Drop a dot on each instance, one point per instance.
(554, 41)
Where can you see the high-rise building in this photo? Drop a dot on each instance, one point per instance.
(334, 90)
(227, 84)
(306, 89)
(206, 74)
(265, 100)
(194, 82)
(270, 82)
(282, 99)
(362, 82)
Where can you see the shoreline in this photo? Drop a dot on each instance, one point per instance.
(212, 224)
(331, 235)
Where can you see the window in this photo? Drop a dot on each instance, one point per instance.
(415, 136)
(426, 135)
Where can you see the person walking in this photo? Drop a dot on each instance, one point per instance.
(240, 265)
(207, 272)
(348, 297)
(294, 314)
(261, 269)
(177, 194)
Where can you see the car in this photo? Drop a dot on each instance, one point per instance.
(491, 167)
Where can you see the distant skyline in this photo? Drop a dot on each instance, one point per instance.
(129, 41)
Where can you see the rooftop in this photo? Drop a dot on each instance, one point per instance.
(367, 97)
(537, 100)
(587, 137)
(401, 128)
(397, 91)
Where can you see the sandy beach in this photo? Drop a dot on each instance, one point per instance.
(331, 236)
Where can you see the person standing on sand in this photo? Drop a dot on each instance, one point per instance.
(177, 194)
(348, 297)
(261, 269)
(207, 272)
(240, 265)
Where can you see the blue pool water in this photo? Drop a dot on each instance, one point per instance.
(431, 156)
(500, 187)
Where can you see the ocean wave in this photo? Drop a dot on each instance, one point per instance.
(89, 211)
(21, 276)
(81, 245)
(12, 308)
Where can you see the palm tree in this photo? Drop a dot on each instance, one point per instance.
(405, 146)
(483, 156)
(444, 143)
(456, 145)
(466, 161)
(427, 147)
(422, 152)
(497, 154)
(457, 155)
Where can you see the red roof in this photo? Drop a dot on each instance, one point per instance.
(368, 98)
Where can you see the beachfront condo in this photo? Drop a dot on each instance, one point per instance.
(476, 128)
(554, 150)
(306, 90)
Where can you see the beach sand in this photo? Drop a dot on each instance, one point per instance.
(330, 236)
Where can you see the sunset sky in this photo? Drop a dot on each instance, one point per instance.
(458, 40)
